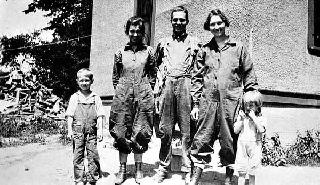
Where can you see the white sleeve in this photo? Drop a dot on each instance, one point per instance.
(72, 106)
(99, 107)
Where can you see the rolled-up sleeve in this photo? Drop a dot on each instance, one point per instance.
(72, 106)
(117, 66)
(197, 77)
(151, 69)
(249, 77)
(99, 107)
(158, 54)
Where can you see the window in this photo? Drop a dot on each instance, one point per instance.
(314, 27)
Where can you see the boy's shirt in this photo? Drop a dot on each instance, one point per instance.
(249, 131)
(78, 97)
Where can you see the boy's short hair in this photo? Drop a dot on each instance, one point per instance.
(85, 72)
(135, 21)
(180, 9)
(253, 96)
(213, 12)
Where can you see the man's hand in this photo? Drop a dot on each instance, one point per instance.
(195, 113)
(70, 135)
(100, 135)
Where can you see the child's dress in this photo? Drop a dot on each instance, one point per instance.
(132, 109)
(249, 152)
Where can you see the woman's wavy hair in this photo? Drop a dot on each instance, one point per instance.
(213, 12)
(135, 21)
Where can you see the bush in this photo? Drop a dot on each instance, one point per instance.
(305, 151)
(21, 129)
(273, 152)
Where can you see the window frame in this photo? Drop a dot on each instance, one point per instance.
(313, 46)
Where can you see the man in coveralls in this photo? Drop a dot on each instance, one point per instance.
(176, 93)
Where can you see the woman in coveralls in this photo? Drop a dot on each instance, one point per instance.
(132, 110)
(226, 71)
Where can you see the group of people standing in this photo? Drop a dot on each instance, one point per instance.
(209, 90)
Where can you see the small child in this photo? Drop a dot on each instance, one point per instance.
(250, 125)
(85, 119)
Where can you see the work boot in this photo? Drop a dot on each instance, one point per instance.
(160, 176)
(196, 175)
(139, 174)
(188, 177)
(79, 183)
(229, 175)
(121, 176)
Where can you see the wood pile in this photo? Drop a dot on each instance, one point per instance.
(21, 94)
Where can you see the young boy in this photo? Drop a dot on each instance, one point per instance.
(85, 119)
(250, 125)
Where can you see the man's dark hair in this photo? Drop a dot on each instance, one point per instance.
(180, 9)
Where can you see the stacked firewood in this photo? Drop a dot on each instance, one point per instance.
(23, 94)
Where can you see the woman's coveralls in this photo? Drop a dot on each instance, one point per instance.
(225, 74)
(132, 109)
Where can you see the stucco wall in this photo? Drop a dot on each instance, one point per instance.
(108, 35)
(288, 121)
(279, 38)
(279, 35)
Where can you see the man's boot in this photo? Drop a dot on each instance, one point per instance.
(121, 176)
(196, 175)
(139, 174)
(160, 176)
(229, 175)
(188, 176)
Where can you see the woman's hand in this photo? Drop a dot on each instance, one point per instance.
(195, 113)
(241, 116)
(157, 105)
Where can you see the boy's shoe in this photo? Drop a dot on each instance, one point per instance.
(160, 176)
(121, 176)
(229, 175)
(79, 183)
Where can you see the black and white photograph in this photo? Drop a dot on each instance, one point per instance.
(168, 92)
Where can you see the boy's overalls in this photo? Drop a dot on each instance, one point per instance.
(85, 137)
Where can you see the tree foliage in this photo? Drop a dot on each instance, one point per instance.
(69, 50)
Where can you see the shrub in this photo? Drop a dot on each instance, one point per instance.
(305, 151)
(273, 152)
(21, 129)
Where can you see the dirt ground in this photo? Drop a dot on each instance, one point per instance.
(37, 164)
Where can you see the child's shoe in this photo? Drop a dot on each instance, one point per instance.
(139, 174)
